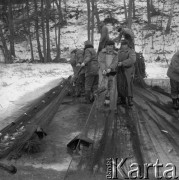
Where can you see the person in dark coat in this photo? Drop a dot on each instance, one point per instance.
(173, 74)
(125, 72)
(127, 34)
(104, 36)
(76, 60)
(91, 71)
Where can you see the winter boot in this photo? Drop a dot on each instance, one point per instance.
(175, 104)
(130, 101)
(87, 97)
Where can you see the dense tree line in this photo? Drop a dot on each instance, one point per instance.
(30, 20)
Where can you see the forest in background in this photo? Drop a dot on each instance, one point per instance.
(52, 27)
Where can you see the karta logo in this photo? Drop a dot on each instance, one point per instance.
(116, 170)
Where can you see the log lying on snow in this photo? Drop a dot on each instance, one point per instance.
(143, 134)
(14, 136)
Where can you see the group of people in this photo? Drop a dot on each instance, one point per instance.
(106, 69)
(114, 70)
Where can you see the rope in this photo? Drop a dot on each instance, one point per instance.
(84, 129)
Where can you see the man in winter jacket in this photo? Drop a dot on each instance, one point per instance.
(104, 36)
(107, 73)
(90, 64)
(125, 72)
(76, 60)
(173, 74)
(127, 34)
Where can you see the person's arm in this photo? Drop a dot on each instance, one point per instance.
(80, 57)
(114, 62)
(131, 60)
(87, 56)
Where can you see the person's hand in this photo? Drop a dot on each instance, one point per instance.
(120, 64)
(104, 72)
(78, 65)
(108, 70)
(82, 64)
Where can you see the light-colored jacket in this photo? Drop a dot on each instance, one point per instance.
(173, 70)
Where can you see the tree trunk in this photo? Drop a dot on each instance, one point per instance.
(11, 28)
(88, 27)
(133, 8)
(170, 17)
(43, 31)
(6, 52)
(37, 32)
(97, 14)
(92, 22)
(129, 22)
(125, 11)
(148, 12)
(59, 28)
(48, 3)
(29, 33)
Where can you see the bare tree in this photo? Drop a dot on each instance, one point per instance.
(60, 17)
(129, 22)
(48, 4)
(133, 8)
(43, 31)
(89, 14)
(125, 10)
(7, 56)
(37, 31)
(92, 21)
(170, 17)
(29, 32)
(97, 14)
(11, 28)
(148, 12)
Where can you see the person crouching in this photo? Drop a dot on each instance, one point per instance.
(125, 73)
(107, 65)
(173, 74)
(91, 71)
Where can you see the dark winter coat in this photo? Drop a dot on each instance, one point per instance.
(128, 58)
(173, 70)
(77, 58)
(90, 61)
(104, 37)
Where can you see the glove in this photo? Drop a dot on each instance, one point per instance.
(78, 65)
(108, 70)
(120, 64)
(104, 72)
(82, 64)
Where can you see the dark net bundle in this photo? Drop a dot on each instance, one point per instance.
(140, 72)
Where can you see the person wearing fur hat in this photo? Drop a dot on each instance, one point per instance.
(107, 65)
(173, 74)
(125, 72)
(104, 36)
(90, 64)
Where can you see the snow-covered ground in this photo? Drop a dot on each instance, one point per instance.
(20, 84)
